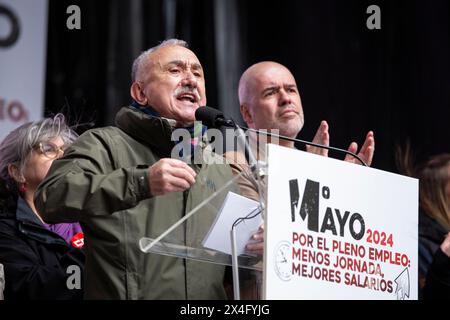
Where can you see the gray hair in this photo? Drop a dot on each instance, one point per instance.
(18, 144)
(139, 61)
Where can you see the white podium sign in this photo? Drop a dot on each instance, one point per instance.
(336, 230)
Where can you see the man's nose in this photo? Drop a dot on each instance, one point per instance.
(189, 80)
(284, 99)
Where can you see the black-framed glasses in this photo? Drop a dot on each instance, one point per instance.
(50, 150)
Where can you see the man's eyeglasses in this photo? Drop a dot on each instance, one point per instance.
(50, 150)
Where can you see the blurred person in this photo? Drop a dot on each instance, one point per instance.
(121, 183)
(434, 221)
(36, 256)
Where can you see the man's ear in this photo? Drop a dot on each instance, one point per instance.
(14, 173)
(246, 114)
(137, 94)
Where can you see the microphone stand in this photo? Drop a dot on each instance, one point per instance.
(216, 118)
(257, 175)
(307, 142)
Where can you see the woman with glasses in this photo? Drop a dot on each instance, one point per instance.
(41, 261)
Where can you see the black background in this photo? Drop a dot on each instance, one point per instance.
(394, 81)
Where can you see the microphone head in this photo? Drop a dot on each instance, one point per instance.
(209, 116)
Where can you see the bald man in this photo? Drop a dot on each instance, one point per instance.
(270, 99)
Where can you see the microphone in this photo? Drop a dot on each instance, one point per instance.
(215, 119)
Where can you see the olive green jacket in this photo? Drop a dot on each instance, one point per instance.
(102, 181)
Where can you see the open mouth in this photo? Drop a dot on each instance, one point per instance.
(188, 97)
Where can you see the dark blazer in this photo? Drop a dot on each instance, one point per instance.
(438, 278)
(35, 260)
(434, 265)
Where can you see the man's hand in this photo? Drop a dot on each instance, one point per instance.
(445, 246)
(257, 245)
(366, 152)
(322, 137)
(170, 175)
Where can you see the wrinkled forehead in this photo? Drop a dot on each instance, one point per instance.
(174, 55)
(274, 76)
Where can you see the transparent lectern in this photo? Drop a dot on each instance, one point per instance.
(187, 238)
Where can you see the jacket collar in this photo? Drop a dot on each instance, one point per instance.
(148, 129)
(24, 213)
(30, 225)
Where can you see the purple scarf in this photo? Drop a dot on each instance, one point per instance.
(65, 230)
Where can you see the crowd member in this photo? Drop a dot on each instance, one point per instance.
(36, 256)
(121, 183)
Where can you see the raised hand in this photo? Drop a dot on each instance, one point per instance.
(365, 153)
(322, 137)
